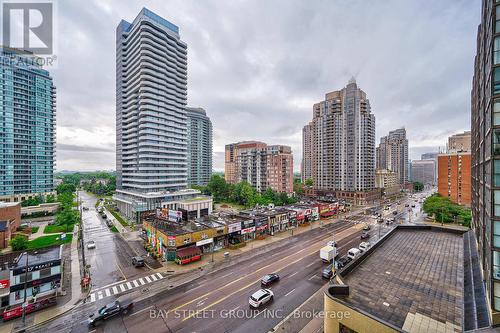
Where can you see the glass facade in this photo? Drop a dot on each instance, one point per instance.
(27, 126)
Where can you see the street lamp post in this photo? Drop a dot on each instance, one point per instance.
(25, 286)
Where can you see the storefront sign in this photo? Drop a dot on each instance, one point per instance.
(174, 215)
(247, 230)
(233, 227)
(262, 227)
(204, 242)
(37, 267)
(4, 284)
(171, 240)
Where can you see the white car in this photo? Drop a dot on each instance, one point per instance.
(332, 243)
(90, 245)
(364, 246)
(260, 297)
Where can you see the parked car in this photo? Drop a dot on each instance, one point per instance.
(365, 235)
(395, 212)
(407, 205)
(137, 262)
(380, 220)
(327, 272)
(112, 309)
(353, 253)
(260, 297)
(90, 245)
(364, 246)
(269, 279)
(366, 227)
(413, 206)
(343, 261)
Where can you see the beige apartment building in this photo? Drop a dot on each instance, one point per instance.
(459, 142)
(231, 157)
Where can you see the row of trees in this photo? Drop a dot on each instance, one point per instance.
(66, 216)
(242, 193)
(92, 183)
(446, 211)
(38, 200)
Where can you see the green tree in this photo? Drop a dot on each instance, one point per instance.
(418, 186)
(309, 182)
(298, 187)
(19, 243)
(65, 188)
(218, 188)
(50, 198)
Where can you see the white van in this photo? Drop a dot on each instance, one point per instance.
(353, 253)
(364, 246)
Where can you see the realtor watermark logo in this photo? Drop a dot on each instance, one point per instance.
(29, 27)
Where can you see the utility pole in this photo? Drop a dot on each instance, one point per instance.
(25, 286)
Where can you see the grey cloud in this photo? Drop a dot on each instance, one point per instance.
(86, 149)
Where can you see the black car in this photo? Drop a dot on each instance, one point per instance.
(112, 309)
(395, 212)
(269, 279)
(137, 262)
(343, 261)
(365, 235)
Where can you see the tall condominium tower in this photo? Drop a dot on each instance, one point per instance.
(27, 127)
(392, 154)
(199, 155)
(339, 142)
(485, 153)
(151, 121)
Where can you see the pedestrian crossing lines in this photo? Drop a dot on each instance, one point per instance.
(123, 287)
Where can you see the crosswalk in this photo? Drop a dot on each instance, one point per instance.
(123, 287)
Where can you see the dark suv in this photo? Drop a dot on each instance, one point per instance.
(138, 262)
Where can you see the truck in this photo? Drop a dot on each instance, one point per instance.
(328, 253)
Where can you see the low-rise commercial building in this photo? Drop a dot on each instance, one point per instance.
(388, 181)
(415, 279)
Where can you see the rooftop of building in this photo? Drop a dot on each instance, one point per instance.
(152, 16)
(9, 204)
(197, 198)
(176, 228)
(414, 276)
(38, 257)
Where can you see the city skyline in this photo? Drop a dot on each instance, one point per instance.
(263, 65)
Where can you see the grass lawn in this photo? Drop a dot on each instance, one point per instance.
(34, 229)
(117, 217)
(50, 240)
(51, 229)
(113, 229)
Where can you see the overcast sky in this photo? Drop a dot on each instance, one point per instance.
(257, 67)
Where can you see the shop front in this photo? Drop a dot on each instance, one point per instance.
(261, 231)
(220, 238)
(234, 233)
(205, 245)
(292, 219)
(247, 230)
(314, 213)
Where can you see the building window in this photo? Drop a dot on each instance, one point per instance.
(496, 296)
(497, 23)
(496, 79)
(496, 233)
(496, 50)
(496, 142)
(496, 265)
(496, 113)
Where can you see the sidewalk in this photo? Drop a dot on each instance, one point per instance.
(50, 313)
(39, 232)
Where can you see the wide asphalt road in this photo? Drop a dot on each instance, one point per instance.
(218, 301)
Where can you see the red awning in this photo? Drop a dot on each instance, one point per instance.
(188, 251)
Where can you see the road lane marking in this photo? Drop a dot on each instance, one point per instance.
(135, 283)
(147, 279)
(226, 275)
(258, 313)
(129, 285)
(349, 228)
(200, 303)
(141, 311)
(159, 275)
(108, 293)
(92, 297)
(99, 295)
(288, 293)
(310, 264)
(153, 277)
(142, 281)
(122, 287)
(312, 277)
(292, 274)
(236, 308)
(115, 290)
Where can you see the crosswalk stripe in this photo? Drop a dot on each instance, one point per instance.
(159, 275)
(99, 295)
(147, 279)
(129, 285)
(108, 292)
(92, 297)
(135, 283)
(122, 287)
(154, 277)
(141, 281)
(115, 290)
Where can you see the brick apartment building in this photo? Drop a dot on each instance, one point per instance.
(231, 158)
(454, 177)
(10, 220)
